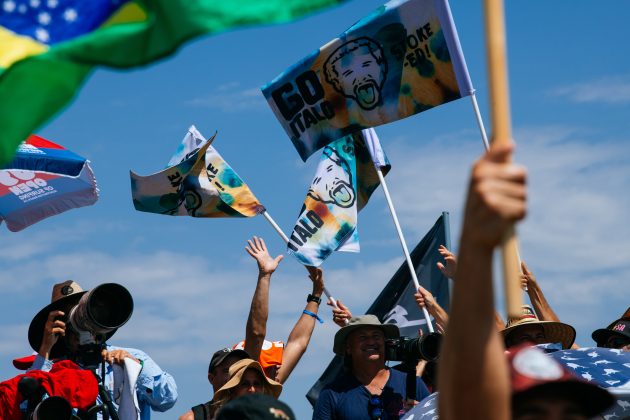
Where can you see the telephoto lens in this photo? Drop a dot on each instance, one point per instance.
(105, 308)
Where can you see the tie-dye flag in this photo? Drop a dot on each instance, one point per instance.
(48, 47)
(344, 181)
(197, 182)
(402, 59)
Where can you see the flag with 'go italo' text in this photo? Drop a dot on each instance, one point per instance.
(344, 181)
(402, 59)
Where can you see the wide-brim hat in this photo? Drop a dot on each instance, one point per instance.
(534, 374)
(555, 332)
(620, 328)
(339, 346)
(237, 370)
(64, 294)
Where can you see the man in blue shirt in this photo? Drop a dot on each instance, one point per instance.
(50, 336)
(368, 389)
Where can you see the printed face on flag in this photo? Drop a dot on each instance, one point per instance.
(328, 218)
(401, 60)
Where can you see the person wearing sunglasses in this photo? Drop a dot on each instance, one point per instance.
(616, 335)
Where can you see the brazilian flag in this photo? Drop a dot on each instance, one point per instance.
(49, 47)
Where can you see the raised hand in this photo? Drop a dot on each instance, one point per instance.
(340, 314)
(450, 268)
(258, 250)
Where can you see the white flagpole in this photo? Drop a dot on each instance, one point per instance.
(482, 129)
(412, 269)
(286, 240)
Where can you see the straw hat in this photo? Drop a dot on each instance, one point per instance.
(555, 332)
(356, 322)
(237, 370)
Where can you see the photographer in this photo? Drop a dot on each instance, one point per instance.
(55, 338)
(369, 389)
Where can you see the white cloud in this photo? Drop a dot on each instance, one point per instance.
(231, 97)
(608, 90)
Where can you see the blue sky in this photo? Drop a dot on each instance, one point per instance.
(191, 278)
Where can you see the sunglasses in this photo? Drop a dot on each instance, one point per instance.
(616, 342)
(375, 407)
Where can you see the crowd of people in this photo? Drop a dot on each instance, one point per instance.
(487, 369)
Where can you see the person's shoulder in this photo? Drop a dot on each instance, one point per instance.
(342, 383)
(137, 353)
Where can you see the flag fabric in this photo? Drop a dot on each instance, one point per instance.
(402, 59)
(197, 182)
(48, 47)
(396, 304)
(344, 181)
(44, 179)
(607, 368)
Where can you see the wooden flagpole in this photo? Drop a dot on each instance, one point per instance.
(502, 135)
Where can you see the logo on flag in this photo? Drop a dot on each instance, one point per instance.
(402, 59)
(344, 181)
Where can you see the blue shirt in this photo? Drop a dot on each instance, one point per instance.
(155, 388)
(347, 398)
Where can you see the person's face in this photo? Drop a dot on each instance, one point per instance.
(337, 189)
(367, 344)
(541, 408)
(221, 373)
(360, 77)
(533, 334)
(251, 383)
(617, 342)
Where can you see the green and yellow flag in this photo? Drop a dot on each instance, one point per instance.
(48, 47)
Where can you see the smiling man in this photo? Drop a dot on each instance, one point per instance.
(368, 389)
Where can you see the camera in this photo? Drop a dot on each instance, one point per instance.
(51, 408)
(406, 349)
(97, 315)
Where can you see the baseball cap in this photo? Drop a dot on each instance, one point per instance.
(535, 374)
(220, 355)
(255, 407)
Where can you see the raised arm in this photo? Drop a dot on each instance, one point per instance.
(256, 328)
(301, 334)
(450, 270)
(536, 295)
(473, 374)
(424, 298)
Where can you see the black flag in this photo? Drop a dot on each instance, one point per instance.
(396, 304)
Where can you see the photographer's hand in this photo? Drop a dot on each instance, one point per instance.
(53, 328)
(117, 356)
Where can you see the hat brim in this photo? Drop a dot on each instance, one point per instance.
(555, 332)
(592, 399)
(339, 346)
(36, 329)
(276, 387)
(602, 335)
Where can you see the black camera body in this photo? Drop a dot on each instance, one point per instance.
(411, 350)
